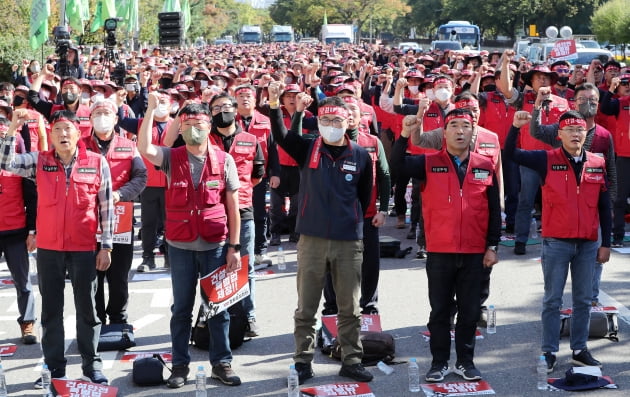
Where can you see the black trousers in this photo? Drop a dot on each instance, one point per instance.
(261, 216)
(152, 216)
(453, 276)
(117, 285)
(289, 187)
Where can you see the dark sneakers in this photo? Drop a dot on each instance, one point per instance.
(178, 377)
(57, 373)
(95, 376)
(304, 370)
(356, 372)
(519, 248)
(551, 361)
(467, 371)
(225, 374)
(437, 372)
(147, 265)
(585, 359)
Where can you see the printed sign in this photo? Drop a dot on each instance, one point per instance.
(603, 309)
(369, 323)
(563, 50)
(223, 288)
(339, 389)
(132, 356)
(7, 350)
(123, 223)
(481, 388)
(6, 281)
(79, 388)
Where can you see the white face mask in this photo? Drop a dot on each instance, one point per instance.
(130, 87)
(85, 97)
(103, 123)
(98, 97)
(442, 94)
(174, 107)
(331, 134)
(161, 110)
(203, 84)
(460, 65)
(430, 95)
(413, 89)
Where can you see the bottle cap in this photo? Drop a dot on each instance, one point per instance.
(412, 359)
(491, 307)
(45, 366)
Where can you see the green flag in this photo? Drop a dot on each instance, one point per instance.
(186, 12)
(171, 6)
(104, 9)
(75, 13)
(40, 11)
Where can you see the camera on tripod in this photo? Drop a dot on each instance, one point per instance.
(110, 26)
(118, 74)
(62, 41)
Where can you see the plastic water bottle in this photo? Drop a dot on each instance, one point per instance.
(293, 382)
(414, 376)
(492, 320)
(3, 383)
(533, 229)
(200, 382)
(45, 380)
(541, 370)
(386, 369)
(282, 263)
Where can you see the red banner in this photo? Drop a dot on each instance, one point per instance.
(7, 350)
(6, 281)
(79, 388)
(123, 223)
(563, 50)
(224, 288)
(339, 389)
(480, 388)
(369, 322)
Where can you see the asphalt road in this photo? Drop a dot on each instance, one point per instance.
(506, 359)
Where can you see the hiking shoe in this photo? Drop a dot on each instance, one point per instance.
(519, 248)
(262, 261)
(304, 371)
(617, 243)
(421, 254)
(147, 264)
(411, 235)
(356, 372)
(483, 318)
(95, 376)
(550, 358)
(56, 373)
(252, 328)
(28, 334)
(178, 377)
(225, 374)
(275, 239)
(437, 372)
(467, 371)
(585, 359)
(294, 237)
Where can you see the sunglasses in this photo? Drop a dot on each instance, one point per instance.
(561, 70)
(624, 83)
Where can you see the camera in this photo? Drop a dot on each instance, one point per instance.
(110, 26)
(119, 72)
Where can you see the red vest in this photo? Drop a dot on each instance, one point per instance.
(33, 129)
(283, 156)
(83, 113)
(370, 143)
(569, 210)
(155, 178)
(196, 211)
(431, 120)
(622, 128)
(557, 106)
(243, 150)
(497, 116)
(119, 156)
(601, 141)
(456, 219)
(67, 216)
(12, 202)
(260, 127)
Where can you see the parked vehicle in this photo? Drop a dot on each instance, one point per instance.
(337, 33)
(250, 34)
(281, 34)
(441, 45)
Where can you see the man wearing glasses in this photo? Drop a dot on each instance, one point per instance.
(335, 192)
(576, 203)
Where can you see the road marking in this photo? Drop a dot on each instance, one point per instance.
(146, 320)
(607, 300)
(108, 358)
(161, 296)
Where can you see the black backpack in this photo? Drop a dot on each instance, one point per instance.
(200, 337)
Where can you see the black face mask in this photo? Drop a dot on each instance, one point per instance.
(69, 97)
(4, 98)
(563, 80)
(166, 83)
(223, 119)
(588, 110)
(489, 88)
(18, 101)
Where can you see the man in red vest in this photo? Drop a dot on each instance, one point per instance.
(74, 189)
(576, 204)
(462, 219)
(201, 214)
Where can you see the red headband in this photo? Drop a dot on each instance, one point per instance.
(442, 80)
(62, 118)
(457, 116)
(4, 128)
(332, 110)
(198, 116)
(572, 121)
(244, 89)
(467, 103)
(609, 67)
(67, 82)
(350, 99)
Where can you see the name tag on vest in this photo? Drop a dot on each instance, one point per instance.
(431, 115)
(349, 166)
(487, 145)
(439, 169)
(244, 143)
(370, 148)
(480, 173)
(50, 168)
(495, 100)
(86, 170)
(123, 149)
(559, 167)
(594, 170)
(212, 184)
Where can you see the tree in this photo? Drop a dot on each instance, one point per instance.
(611, 22)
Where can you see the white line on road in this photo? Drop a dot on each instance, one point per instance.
(607, 300)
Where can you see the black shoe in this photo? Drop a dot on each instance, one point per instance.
(585, 359)
(550, 358)
(411, 235)
(437, 372)
(304, 371)
(509, 229)
(95, 376)
(225, 374)
(356, 372)
(275, 239)
(178, 377)
(483, 318)
(56, 373)
(369, 310)
(294, 237)
(329, 311)
(617, 243)
(467, 371)
(392, 213)
(147, 264)
(421, 254)
(519, 248)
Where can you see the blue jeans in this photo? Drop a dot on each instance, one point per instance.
(558, 256)
(530, 182)
(247, 248)
(186, 267)
(597, 271)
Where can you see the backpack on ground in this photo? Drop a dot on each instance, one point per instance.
(200, 336)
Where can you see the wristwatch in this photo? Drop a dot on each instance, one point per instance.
(237, 247)
(493, 248)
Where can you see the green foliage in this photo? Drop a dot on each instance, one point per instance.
(611, 22)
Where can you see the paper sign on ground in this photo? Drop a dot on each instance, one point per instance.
(132, 356)
(603, 309)
(7, 350)
(6, 281)
(223, 288)
(339, 389)
(480, 388)
(369, 323)
(79, 388)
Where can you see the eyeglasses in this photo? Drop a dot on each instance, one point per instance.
(624, 83)
(222, 108)
(578, 130)
(336, 122)
(561, 70)
(585, 99)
